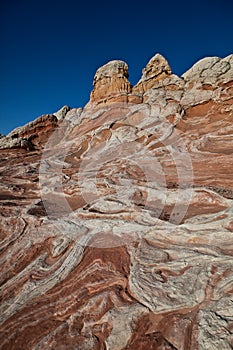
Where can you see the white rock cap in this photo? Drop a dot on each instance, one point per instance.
(115, 67)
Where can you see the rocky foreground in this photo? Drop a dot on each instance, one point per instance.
(116, 219)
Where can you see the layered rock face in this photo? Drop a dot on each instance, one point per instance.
(111, 81)
(116, 224)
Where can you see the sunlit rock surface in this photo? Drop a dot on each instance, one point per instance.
(116, 225)
(111, 82)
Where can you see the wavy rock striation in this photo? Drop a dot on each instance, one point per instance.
(116, 224)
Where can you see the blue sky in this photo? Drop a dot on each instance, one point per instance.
(50, 49)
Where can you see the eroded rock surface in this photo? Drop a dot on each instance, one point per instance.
(117, 228)
(157, 69)
(111, 82)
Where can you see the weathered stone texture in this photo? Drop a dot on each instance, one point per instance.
(116, 228)
(110, 82)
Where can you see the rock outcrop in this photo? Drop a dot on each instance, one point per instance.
(111, 82)
(36, 132)
(156, 69)
(116, 229)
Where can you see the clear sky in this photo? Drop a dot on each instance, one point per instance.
(50, 49)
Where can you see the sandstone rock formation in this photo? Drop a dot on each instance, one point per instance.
(111, 81)
(156, 69)
(37, 132)
(117, 229)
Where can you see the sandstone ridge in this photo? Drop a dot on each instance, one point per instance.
(116, 219)
(111, 80)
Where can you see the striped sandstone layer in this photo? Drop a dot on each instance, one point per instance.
(116, 226)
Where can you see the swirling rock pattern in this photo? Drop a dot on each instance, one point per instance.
(116, 228)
